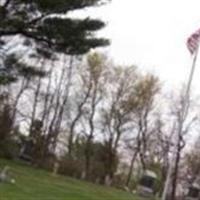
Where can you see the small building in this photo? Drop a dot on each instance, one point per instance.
(27, 150)
(193, 192)
(147, 183)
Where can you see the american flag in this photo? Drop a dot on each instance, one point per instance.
(193, 42)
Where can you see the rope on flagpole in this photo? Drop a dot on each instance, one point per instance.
(186, 105)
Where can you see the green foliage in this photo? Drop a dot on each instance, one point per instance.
(45, 27)
(62, 6)
(42, 22)
(71, 167)
(9, 148)
(9, 144)
(157, 168)
(100, 166)
(14, 69)
(6, 79)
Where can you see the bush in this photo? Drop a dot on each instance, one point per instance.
(71, 167)
(9, 148)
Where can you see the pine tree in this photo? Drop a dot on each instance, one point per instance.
(46, 27)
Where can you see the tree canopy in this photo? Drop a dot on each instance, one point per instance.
(46, 23)
(44, 28)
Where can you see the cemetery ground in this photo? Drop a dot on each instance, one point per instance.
(34, 184)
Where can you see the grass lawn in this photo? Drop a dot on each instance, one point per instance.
(32, 184)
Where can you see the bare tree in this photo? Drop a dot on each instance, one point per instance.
(144, 120)
(183, 119)
(94, 80)
(116, 115)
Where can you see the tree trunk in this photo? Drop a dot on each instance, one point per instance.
(181, 145)
(131, 168)
(88, 158)
(175, 176)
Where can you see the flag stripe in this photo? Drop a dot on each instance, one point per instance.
(193, 42)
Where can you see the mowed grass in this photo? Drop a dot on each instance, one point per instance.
(33, 184)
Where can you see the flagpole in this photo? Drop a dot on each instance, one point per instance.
(187, 95)
(184, 115)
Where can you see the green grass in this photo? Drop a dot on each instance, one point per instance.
(32, 184)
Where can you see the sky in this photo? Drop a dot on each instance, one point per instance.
(152, 35)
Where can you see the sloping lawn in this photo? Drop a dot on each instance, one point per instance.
(32, 184)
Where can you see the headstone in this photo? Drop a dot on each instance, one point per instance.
(147, 183)
(56, 168)
(108, 180)
(97, 181)
(4, 176)
(83, 175)
(126, 189)
(27, 150)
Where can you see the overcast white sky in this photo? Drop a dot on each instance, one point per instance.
(152, 35)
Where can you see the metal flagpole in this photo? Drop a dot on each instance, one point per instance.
(187, 95)
(184, 115)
